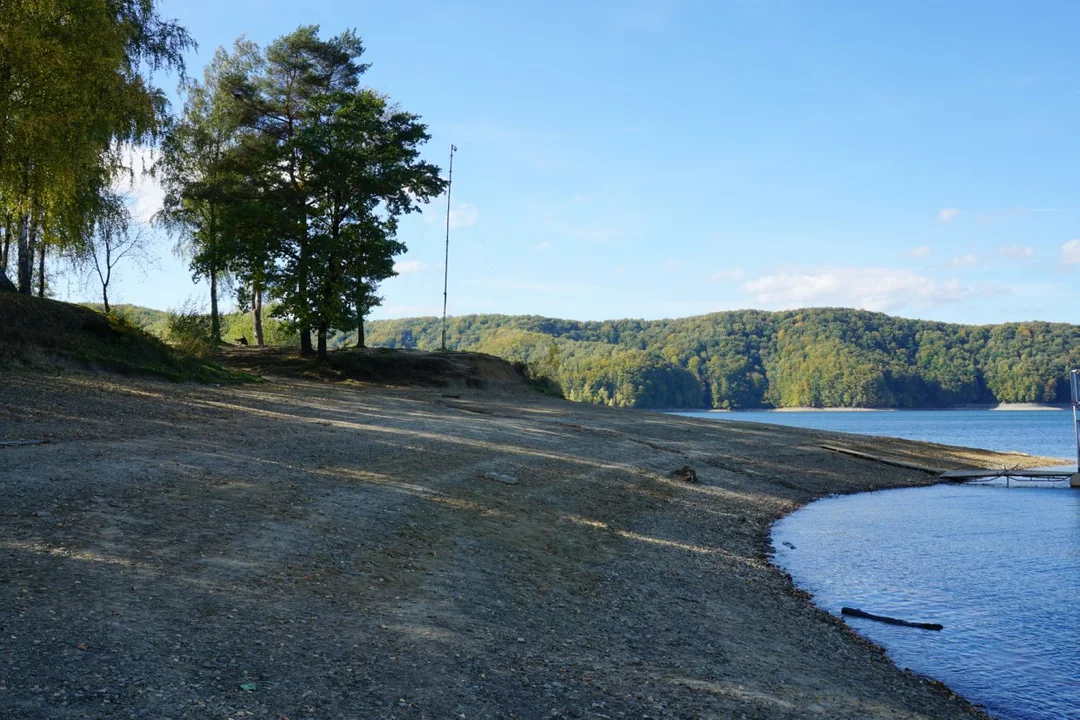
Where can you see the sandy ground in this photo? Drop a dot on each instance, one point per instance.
(310, 550)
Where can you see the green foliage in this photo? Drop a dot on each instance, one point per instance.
(746, 359)
(191, 331)
(76, 86)
(42, 332)
(275, 332)
(287, 174)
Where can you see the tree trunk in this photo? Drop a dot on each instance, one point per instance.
(256, 313)
(322, 342)
(24, 254)
(215, 320)
(5, 250)
(41, 270)
(105, 298)
(360, 334)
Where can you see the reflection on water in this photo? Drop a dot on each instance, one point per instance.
(999, 568)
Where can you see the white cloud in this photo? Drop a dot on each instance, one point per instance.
(463, 215)
(619, 271)
(409, 266)
(144, 195)
(948, 214)
(1070, 252)
(968, 260)
(1017, 252)
(920, 252)
(880, 289)
(734, 274)
(670, 264)
(542, 246)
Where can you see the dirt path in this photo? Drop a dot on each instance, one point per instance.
(306, 550)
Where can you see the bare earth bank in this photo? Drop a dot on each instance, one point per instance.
(306, 550)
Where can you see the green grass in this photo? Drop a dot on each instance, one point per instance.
(46, 333)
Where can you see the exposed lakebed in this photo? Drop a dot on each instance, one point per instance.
(998, 567)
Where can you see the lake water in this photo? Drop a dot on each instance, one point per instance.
(998, 567)
(1037, 432)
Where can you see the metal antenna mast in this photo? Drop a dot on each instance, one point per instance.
(446, 262)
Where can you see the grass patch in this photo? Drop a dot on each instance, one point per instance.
(43, 333)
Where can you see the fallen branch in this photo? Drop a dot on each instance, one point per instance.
(855, 612)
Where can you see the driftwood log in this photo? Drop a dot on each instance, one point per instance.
(856, 612)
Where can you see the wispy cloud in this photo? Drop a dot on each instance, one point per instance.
(463, 215)
(1070, 252)
(966, 260)
(1017, 252)
(1000, 216)
(582, 233)
(542, 246)
(947, 215)
(879, 289)
(409, 267)
(733, 274)
(549, 288)
(670, 264)
(400, 311)
(920, 252)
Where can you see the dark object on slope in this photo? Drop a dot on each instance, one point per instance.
(855, 612)
(686, 474)
(242, 340)
(6, 285)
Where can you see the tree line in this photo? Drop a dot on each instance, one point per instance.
(282, 173)
(754, 359)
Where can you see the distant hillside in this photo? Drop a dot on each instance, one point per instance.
(750, 359)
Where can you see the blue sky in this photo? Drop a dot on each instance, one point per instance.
(660, 159)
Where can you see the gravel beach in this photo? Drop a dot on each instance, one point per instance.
(302, 549)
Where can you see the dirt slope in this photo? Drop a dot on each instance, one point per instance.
(309, 550)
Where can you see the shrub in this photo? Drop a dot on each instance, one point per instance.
(189, 331)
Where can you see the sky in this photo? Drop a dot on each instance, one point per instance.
(651, 158)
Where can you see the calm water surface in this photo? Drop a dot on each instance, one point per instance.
(1037, 432)
(998, 567)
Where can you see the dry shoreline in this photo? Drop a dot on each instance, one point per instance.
(304, 549)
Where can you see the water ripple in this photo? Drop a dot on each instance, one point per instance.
(999, 568)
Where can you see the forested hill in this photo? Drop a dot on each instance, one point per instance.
(747, 359)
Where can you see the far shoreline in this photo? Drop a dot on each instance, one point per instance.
(991, 407)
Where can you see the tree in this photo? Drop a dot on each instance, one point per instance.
(294, 71)
(75, 86)
(194, 175)
(111, 239)
(365, 172)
